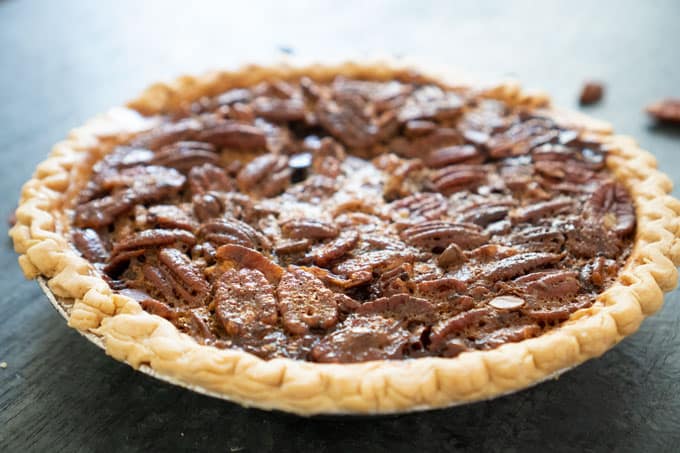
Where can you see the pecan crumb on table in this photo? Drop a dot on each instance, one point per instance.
(591, 93)
(667, 109)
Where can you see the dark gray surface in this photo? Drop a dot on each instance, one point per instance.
(62, 62)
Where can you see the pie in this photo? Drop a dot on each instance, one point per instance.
(360, 238)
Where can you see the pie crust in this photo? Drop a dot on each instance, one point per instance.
(130, 334)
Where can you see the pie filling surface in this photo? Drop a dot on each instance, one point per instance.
(356, 220)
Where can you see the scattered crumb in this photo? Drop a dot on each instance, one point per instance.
(3, 364)
(181, 434)
(591, 92)
(12, 218)
(667, 109)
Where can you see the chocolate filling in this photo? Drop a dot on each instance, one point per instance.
(356, 220)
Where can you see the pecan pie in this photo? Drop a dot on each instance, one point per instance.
(355, 238)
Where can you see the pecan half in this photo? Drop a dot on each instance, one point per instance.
(437, 235)
(374, 261)
(279, 110)
(421, 206)
(244, 302)
(450, 155)
(665, 110)
(167, 133)
(231, 134)
(208, 177)
(542, 209)
(539, 238)
(591, 93)
(292, 246)
(232, 231)
(423, 145)
(207, 206)
(431, 102)
(183, 156)
(521, 138)
(346, 119)
(550, 284)
(485, 213)
(142, 185)
(267, 175)
(169, 216)
(456, 324)
(89, 243)
(612, 202)
(154, 238)
(519, 264)
(363, 338)
(308, 229)
(325, 254)
(455, 178)
(397, 306)
(418, 128)
(185, 277)
(244, 257)
(305, 303)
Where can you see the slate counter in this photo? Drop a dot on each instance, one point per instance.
(62, 62)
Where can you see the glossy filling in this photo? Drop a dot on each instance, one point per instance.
(355, 220)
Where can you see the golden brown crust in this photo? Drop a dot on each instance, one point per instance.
(143, 340)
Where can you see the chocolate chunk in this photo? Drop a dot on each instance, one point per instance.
(305, 303)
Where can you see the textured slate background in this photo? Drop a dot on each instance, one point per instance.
(61, 62)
